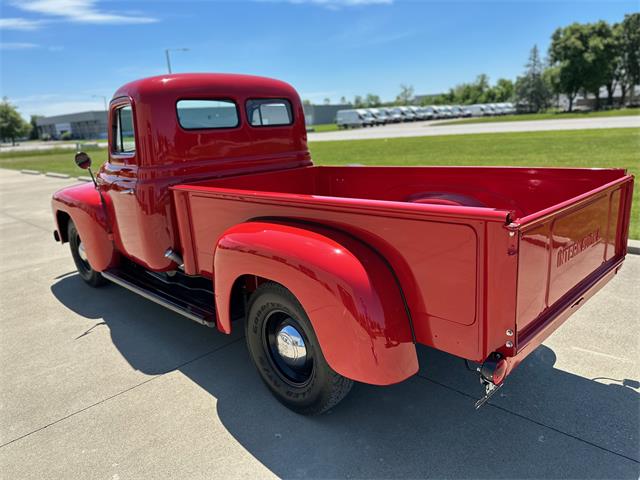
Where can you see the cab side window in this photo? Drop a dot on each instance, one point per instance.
(123, 135)
(269, 112)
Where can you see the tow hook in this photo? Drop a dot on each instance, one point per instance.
(492, 374)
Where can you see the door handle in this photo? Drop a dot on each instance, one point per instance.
(127, 191)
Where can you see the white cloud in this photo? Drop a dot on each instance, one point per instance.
(80, 11)
(17, 46)
(19, 24)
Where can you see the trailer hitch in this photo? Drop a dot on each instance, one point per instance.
(489, 390)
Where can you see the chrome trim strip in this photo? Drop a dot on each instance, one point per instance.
(155, 298)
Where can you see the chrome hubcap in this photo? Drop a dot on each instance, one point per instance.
(290, 353)
(82, 252)
(291, 347)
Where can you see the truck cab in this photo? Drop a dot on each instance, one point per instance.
(210, 205)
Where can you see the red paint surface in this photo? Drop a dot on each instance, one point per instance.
(82, 204)
(347, 290)
(474, 251)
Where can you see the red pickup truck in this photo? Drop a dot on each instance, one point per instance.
(210, 205)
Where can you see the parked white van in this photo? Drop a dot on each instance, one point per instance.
(477, 110)
(368, 120)
(420, 113)
(394, 116)
(489, 109)
(430, 112)
(497, 108)
(407, 114)
(507, 108)
(379, 115)
(349, 119)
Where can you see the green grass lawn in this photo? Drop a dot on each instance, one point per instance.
(58, 160)
(325, 127)
(606, 148)
(619, 112)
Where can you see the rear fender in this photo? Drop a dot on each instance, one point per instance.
(84, 207)
(348, 291)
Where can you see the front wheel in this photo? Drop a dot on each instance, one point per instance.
(286, 352)
(88, 274)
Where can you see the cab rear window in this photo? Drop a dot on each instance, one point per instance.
(269, 112)
(207, 114)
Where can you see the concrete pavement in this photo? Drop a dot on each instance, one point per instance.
(100, 383)
(440, 127)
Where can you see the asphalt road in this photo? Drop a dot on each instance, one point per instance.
(100, 383)
(420, 129)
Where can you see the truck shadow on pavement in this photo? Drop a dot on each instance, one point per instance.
(544, 423)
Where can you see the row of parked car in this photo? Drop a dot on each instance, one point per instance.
(370, 117)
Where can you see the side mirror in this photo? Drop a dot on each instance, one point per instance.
(83, 160)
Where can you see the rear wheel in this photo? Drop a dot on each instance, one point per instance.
(286, 352)
(78, 252)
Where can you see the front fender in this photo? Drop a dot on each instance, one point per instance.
(348, 291)
(83, 205)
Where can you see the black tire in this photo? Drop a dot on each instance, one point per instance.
(88, 274)
(308, 389)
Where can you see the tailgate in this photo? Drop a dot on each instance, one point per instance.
(564, 249)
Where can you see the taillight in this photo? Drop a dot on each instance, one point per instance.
(500, 372)
(494, 369)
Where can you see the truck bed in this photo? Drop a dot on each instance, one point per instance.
(478, 251)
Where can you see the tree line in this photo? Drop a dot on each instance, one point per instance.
(12, 126)
(582, 58)
(587, 57)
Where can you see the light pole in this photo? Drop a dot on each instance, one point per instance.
(104, 99)
(166, 52)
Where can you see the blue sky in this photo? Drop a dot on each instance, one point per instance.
(57, 54)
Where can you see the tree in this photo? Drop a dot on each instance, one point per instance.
(478, 91)
(482, 89)
(532, 88)
(405, 96)
(551, 76)
(306, 101)
(630, 53)
(12, 125)
(614, 73)
(33, 132)
(358, 102)
(343, 100)
(567, 52)
(599, 58)
(504, 90)
(372, 100)
(327, 101)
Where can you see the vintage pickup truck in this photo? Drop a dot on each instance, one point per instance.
(210, 205)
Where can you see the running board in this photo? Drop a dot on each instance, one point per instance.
(173, 303)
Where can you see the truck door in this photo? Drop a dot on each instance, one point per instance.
(118, 177)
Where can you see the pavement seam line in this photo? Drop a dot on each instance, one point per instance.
(519, 415)
(22, 220)
(100, 402)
